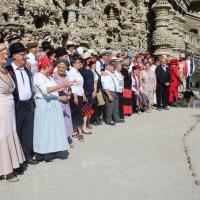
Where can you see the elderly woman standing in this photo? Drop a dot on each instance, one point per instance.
(11, 154)
(50, 139)
(60, 77)
(140, 100)
(148, 78)
(78, 96)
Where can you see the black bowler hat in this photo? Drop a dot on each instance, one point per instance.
(46, 45)
(17, 48)
(188, 54)
(61, 51)
(13, 37)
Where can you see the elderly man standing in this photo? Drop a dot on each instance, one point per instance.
(32, 49)
(109, 84)
(163, 78)
(23, 97)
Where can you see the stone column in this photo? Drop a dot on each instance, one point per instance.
(161, 36)
(182, 33)
(177, 35)
(72, 12)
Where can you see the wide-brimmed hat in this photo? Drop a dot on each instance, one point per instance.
(13, 36)
(61, 51)
(86, 55)
(174, 61)
(46, 45)
(92, 52)
(135, 67)
(17, 48)
(106, 53)
(70, 43)
(32, 44)
(188, 54)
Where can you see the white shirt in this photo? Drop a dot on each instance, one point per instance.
(119, 79)
(23, 83)
(165, 67)
(108, 81)
(74, 75)
(130, 68)
(96, 78)
(99, 67)
(41, 83)
(33, 62)
(188, 67)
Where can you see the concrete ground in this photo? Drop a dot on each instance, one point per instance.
(142, 159)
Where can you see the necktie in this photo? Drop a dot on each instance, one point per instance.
(21, 75)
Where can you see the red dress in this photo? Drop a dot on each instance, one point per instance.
(174, 84)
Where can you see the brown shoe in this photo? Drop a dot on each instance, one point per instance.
(11, 178)
(81, 138)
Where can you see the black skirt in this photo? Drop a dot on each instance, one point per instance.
(76, 111)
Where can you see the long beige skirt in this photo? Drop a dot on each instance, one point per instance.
(11, 154)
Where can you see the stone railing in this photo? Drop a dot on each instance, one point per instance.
(192, 40)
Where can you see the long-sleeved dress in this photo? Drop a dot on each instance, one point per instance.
(50, 136)
(11, 154)
(174, 83)
(65, 106)
(149, 84)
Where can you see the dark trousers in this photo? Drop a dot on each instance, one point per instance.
(188, 82)
(161, 94)
(112, 108)
(24, 121)
(121, 103)
(134, 102)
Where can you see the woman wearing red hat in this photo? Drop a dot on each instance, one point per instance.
(175, 81)
(50, 138)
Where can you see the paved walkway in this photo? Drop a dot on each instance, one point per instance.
(143, 159)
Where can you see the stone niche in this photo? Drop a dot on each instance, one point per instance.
(118, 24)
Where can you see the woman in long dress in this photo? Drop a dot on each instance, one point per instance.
(61, 76)
(127, 92)
(148, 78)
(50, 138)
(11, 154)
(140, 100)
(175, 81)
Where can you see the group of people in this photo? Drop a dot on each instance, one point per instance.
(51, 95)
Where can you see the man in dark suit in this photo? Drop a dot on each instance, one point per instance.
(163, 77)
(23, 97)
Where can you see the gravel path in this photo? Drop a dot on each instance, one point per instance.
(142, 159)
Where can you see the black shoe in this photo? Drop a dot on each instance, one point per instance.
(120, 121)
(31, 161)
(49, 160)
(158, 109)
(18, 171)
(97, 123)
(165, 108)
(111, 123)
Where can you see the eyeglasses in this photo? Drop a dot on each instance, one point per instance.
(3, 53)
(22, 54)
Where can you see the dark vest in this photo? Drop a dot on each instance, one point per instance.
(16, 91)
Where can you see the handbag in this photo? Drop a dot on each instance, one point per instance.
(100, 99)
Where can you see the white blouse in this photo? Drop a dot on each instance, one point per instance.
(41, 83)
(119, 81)
(75, 75)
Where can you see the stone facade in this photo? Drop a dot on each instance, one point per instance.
(160, 26)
